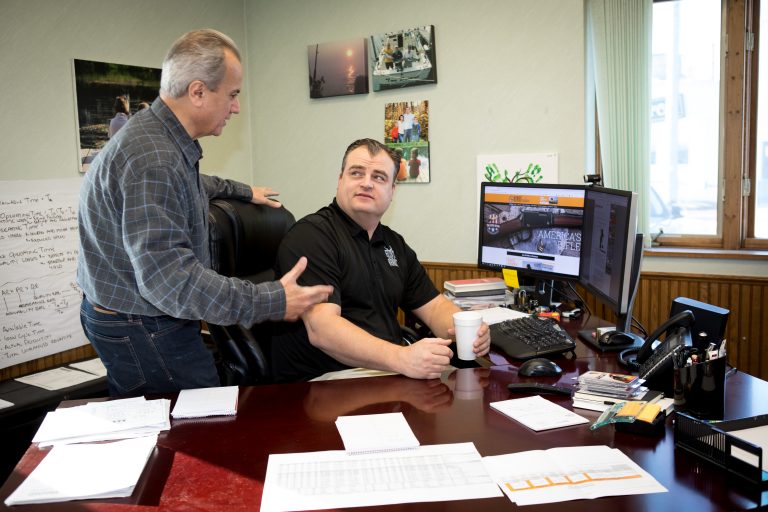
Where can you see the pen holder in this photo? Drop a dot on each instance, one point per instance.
(699, 389)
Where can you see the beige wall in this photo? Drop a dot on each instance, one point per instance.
(39, 39)
(510, 80)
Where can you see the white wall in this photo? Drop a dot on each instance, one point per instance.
(39, 39)
(510, 80)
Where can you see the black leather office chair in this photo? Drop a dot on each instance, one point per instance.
(244, 239)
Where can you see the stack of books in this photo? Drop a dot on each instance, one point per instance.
(476, 287)
(600, 390)
(478, 293)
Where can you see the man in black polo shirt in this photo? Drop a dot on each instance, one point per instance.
(373, 273)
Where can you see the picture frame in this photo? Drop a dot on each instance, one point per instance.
(97, 88)
(404, 58)
(406, 130)
(337, 68)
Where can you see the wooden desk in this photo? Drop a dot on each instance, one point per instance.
(19, 423)
(220, 464)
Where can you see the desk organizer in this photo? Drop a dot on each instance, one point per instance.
(712, 442)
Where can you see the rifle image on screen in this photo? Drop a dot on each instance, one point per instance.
(520, 228)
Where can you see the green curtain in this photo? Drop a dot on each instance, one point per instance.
(619, 38)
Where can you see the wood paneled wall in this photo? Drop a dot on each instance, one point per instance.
(745, 297)
(44, 363)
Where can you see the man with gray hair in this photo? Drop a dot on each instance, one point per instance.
(144, 263)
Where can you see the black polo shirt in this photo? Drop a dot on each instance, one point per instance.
(371, 279)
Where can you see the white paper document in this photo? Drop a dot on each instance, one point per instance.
(336, 479)
(100, 421)
(499, 314)
(352, 373)
(538, 413)
(564, 474)
(203, 402)
(757, 436)
(85, 471)
(58, 378)
(376, 432)
(94, 366)
(5, 403)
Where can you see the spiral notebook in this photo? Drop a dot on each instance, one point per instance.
(204, 402)
(370, 433)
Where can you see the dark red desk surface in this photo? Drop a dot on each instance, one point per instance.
(220, 464)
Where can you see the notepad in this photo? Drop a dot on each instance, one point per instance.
(86, 471)
(203, 402)
(538, 413)
(370, 433)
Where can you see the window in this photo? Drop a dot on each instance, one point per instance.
(709, 135)
(685, 117)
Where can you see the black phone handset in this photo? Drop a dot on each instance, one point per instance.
(682, 320)
(654, 360)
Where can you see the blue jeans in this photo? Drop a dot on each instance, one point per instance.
(145, 354)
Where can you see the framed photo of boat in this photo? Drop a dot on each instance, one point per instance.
(405, 58)
(338, 68)
(406, 130)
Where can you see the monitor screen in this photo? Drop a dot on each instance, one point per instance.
(534, 229)
(610, 225)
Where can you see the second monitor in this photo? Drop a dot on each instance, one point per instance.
(612, 251)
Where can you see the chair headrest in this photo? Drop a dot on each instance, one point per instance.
(244, 237)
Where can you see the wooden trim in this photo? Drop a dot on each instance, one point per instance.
(45, 363)
(691, 241)
(734, 124)
(751, 92)
(756, 243)
(746, 297)
(679, 252)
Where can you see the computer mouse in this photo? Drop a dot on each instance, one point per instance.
(539, 367)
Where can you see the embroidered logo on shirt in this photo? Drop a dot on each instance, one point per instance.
(391, 258)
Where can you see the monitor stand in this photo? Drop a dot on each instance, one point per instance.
(542, 291)
(623, 321)
(624, 324)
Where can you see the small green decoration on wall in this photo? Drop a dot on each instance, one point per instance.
(531, 175)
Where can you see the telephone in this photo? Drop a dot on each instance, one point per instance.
(654, 359)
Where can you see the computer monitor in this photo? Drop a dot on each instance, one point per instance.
(535, 229)
(611, 250)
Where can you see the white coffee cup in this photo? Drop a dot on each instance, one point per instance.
(466, 324)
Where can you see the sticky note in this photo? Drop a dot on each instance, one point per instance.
(510, 278)
(649, 413)
(630, 409)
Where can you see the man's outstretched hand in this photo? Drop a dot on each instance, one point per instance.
(299, 298)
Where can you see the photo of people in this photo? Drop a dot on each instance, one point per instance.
(106, 96)
(406, 130)
(338, 68)
(404, 58)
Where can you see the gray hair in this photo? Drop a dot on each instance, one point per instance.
(197, 55)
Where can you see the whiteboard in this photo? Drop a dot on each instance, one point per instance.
(40, 307)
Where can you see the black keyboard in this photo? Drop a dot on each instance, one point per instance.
(527, 337)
